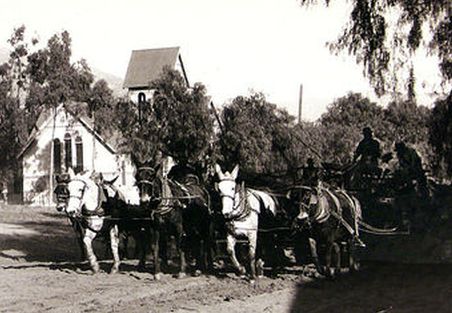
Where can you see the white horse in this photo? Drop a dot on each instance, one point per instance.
(241, 208)
(86, 205)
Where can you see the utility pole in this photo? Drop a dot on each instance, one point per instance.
(300, 103)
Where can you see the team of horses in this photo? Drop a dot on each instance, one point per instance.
(163, 207)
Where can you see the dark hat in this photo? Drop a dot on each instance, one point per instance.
(367, 130)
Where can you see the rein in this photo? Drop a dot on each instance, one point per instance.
(241, 209)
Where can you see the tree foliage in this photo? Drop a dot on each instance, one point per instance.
(177, 122)
(441, 133)
(184, 118)
(33, 81)
(341, 125)
(381, 44)
(335, 136)
(257, 135)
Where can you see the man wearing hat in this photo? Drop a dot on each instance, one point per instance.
(410, 165)
(367, 154)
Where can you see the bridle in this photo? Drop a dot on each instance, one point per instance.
(80, 197)
(143, 182)
(222, 195)
(241, 208)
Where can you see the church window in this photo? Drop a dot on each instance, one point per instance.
(68, 151)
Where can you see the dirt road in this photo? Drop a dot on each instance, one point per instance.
(39, 272)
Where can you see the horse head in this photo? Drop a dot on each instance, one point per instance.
(83, 194)
(226, 187)
(146, 177)
(305, 200)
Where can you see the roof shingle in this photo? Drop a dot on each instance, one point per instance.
(146, 65)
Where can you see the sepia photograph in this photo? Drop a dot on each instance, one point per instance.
(227, 156)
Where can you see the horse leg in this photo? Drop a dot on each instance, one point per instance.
(314, 255)
(230, 246)
(210, 246)
(79, 237)
(205, 249)
(252, 254)
(352, 262)
(155, 248)
(201, 256)
(88, 241)
(114, 244)
(337, 252)
(328, 256)
(140, 247)
(181, 249)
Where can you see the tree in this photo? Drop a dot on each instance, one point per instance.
(177, 122)
(54, 79)
(441, 133)
(343, 122)
(408, 122)
(12, 87)
(183, 116)
(256, 135)
(33, 81)
(382, 33)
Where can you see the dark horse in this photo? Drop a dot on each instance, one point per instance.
(330, 217)
(181, 209)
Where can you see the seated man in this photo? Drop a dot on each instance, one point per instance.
(410, 166)
(367, 153)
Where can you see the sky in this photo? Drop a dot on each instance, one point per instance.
(234, 47)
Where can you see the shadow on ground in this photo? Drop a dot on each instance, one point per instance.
(380, 287)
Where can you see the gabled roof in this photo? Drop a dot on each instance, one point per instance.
(46, 117)
(147, 65)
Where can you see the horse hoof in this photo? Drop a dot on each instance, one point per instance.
(96, 269)
(318, 275)
(181, 275)
(158, 276)
(114, 270)
(330, 273)
(354, 267)
(197, 273)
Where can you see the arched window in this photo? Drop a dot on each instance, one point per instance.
(68, 151)
(141, 98)
(141, 103)
(79, 154)
(56, 156)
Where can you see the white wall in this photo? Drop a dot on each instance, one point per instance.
(96, 156)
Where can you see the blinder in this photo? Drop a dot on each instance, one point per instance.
(79, 197)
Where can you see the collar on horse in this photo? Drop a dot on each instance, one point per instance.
(242, 209)
(324, 210)
(99, 211)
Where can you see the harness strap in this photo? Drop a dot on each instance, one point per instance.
(343, 222)
(242, 209)
(99, 211)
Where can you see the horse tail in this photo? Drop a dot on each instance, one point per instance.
(379, 231)
(266, 201)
